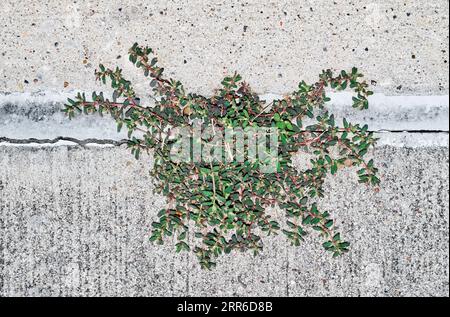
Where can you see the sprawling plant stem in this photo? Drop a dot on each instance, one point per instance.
(226, 202)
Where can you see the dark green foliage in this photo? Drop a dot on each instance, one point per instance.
(226, 202)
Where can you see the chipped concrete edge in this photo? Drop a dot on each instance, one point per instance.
(35, 119)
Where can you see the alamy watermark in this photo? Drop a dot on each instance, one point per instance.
(208, 143)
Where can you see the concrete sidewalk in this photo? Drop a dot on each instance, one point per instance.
(402, 46)
(75, 221)
(76, 208)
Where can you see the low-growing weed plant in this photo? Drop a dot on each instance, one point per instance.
(221, 161)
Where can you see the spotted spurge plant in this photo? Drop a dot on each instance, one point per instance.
(217, 207)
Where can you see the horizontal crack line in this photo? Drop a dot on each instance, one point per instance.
(84, 142)
(413, 131)
(68, 139)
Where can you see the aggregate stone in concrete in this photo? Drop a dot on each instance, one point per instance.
(56, 45)
(76, 221)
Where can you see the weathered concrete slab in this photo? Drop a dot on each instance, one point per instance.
(402, 45)
(75, 210)
(39, 116)
(75, 221)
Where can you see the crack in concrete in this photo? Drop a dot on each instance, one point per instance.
(412, 131)
(68, 139)
(84, 142)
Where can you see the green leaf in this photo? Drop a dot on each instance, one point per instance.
(281, 125)
(337, 237)
(207, 193)
(182, 246)
(334, 168)
(137, 153)
(289, 125)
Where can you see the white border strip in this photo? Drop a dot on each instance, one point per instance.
(386, 113)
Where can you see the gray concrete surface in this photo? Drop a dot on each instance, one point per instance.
(402, 45)
(76, 208)
(75, 221)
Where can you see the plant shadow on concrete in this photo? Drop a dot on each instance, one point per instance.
(222, 197)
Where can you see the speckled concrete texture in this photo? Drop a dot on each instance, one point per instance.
(55, 45)
(76, 211)
(76, 221)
